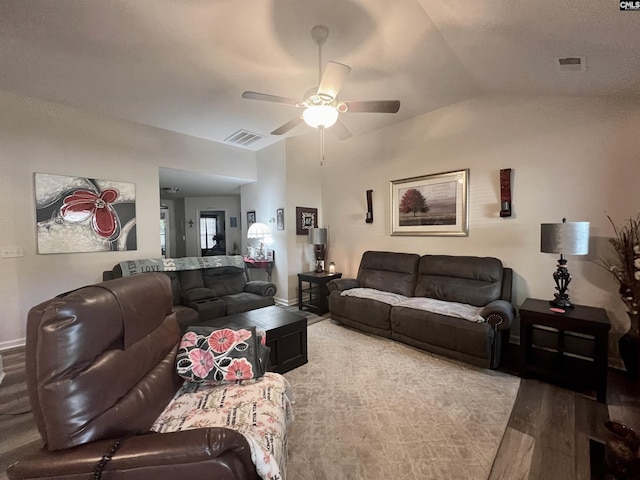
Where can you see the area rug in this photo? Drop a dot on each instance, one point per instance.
(372, 408)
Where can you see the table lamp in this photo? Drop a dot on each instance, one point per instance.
(318, 238)
(566, 238)
(262, 232)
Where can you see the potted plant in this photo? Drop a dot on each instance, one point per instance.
(625, 267)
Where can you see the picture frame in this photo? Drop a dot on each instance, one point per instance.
(251, 218)
(280, 219)
(306, 218)
(433, 205)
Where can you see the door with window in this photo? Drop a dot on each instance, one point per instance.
(212, 233)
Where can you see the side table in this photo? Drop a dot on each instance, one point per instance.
(267, 265)
(570, 347)
(314, 296)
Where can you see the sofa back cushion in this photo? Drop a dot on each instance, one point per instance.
(389, 271)
(472, 280)
(224, 280)
(100, 360)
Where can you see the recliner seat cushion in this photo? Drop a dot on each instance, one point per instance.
(244, 301)
(449, 333)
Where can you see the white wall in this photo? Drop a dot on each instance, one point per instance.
(36, 136)
(265, 196)
(304, 189)
(192, 208)
(571, 157)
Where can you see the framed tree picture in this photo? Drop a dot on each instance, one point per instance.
(431, 205)
(306, 218)
(251, 217)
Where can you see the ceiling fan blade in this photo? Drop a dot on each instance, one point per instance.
(270, 98)
(332, 79)
(287, 126)
(373, 106)
(341, 131)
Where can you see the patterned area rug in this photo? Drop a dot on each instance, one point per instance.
(372, 408)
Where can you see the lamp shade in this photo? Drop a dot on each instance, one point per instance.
(259, 231)
(568, 238)
(320, 116)
(317, 236)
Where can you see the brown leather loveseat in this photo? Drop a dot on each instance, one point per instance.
(101, 367)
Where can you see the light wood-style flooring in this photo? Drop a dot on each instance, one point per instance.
(547, 437)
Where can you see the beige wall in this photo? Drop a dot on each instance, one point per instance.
(571, 157)
(37, 136)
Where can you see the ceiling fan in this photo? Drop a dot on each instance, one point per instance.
(321, 105)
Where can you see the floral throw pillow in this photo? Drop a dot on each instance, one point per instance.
(222, 355)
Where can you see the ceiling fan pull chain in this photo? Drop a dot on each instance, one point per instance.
(321, 145)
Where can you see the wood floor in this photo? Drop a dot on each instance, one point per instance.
(547, 437)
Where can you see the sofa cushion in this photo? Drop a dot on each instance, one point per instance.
(447, 333)
(190, 279)
(196, 294)
(472, 280)
(224, 280)
(389, 271)
(366, 311)
(244, 301)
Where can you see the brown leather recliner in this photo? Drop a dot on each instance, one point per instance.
(101, 367)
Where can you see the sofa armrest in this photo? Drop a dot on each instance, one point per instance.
(340, 284)
(260, 287)
(499, 314)
(203, 452)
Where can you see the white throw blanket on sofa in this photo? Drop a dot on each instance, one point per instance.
(373, 294)
(451, 309)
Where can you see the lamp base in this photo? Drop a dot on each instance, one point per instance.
(561, 303)
(562, 278)
(319, 266)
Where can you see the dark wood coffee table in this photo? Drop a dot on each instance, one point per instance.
(286, 334)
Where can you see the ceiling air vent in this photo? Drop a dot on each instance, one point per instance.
(243, 137)
(572, 64)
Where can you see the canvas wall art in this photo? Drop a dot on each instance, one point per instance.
(430, 205)
(80, 214)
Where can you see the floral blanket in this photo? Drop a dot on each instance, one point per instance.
(258, 409)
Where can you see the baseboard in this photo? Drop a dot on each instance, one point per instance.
(283, 302)
(19, 342)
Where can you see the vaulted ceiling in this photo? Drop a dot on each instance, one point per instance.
(182, 65)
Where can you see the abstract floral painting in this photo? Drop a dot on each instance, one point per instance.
(79, 214)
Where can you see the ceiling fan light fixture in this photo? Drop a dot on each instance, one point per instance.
(320, 116)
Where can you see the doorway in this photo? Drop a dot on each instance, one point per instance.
(212, 233)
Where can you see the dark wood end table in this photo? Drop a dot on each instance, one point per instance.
(314, 296)
(570, 347)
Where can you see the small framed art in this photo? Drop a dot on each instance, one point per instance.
(306, 218)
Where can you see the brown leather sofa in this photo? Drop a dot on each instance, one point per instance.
(101, 367)
(477, 281)
(207, 293)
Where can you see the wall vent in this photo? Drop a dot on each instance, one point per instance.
(243, 137)
(572, 64)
